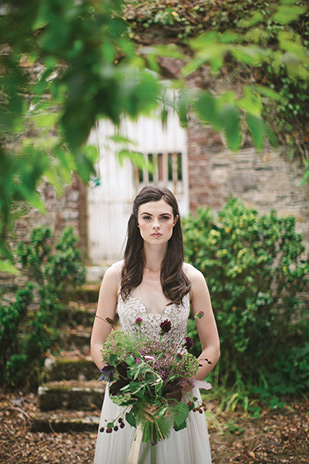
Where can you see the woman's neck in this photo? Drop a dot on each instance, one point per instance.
(154, 257)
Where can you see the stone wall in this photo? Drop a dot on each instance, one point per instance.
(64, 211)
(262, 180)
(69, 210)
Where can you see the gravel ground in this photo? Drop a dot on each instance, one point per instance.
(277, 436)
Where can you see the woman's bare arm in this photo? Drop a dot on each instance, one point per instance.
(106, 308)
(206, 326)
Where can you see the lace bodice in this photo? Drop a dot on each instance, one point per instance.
(132, 308)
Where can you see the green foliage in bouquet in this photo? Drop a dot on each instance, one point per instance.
(146, 377)
(28, 332)
(255, 266)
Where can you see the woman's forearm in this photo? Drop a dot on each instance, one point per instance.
(207, 359)
(97, 355)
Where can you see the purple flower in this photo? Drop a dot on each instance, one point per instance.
(139, 321)
(107, 373)
(199, 315)
(165, 326)
(188, 343)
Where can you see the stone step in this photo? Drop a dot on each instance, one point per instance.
(77, 339)
(60, 421)
(78, 313)
(80, 395)
(70, 366)
(88, 293)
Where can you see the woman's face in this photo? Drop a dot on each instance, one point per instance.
(156, 222)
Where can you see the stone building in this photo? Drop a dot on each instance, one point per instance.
(194, 162)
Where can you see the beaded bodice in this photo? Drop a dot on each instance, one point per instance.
(132, 308)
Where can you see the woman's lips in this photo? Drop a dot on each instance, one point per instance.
(156, 235)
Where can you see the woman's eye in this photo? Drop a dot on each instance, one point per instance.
(165, 218)
(146, 218)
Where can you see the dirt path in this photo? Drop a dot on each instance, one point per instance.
(278, 436)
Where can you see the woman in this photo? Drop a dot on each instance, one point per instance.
(154, 283)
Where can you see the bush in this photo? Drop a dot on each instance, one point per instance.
(255, 269)
(56, 272)
(27, 336)
(290, 372)
(11, 318)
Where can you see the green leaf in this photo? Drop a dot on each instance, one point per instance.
(268, 92)
(250, 54)
(92, 153)
(228, 37)
(113, 359)
(294, 66)
(183, 104)
(169, 50)
(135, 387)
(118, 138)
(230, 118)
(136, 158)
(257, 129)
(8, 267)
(130, 418)
(45, 120)
(271, 136)
(181, 412)
(285, 14)
(193, 65)
(251, 102)
(130, 360)
(204, 40)
(207, 109)
(256, 18)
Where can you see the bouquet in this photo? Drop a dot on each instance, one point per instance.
(146, 377)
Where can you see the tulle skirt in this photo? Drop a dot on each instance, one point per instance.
(187, 446)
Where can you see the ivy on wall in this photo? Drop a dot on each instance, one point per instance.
(265, 23)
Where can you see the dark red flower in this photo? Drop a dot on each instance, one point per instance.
(188, 343)
(165, 326)
(139, 321)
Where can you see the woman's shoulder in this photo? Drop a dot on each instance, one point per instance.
(193, 274)
(114, 271)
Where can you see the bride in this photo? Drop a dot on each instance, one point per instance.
(154, 283)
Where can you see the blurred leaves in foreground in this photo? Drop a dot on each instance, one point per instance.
(64, 65)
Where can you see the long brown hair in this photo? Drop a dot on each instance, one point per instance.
(175, 284)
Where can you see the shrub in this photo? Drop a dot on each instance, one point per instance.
(56, 272)
(255, 267)
(27, 336)
(11, 318)
(290, 372)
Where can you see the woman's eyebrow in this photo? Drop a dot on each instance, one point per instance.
(161, 214)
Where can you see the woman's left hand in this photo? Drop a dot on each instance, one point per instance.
(187, 387)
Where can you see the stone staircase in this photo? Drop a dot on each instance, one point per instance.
(70, 397)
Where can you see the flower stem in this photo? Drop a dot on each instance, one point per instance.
(145, 453)
(153, 455)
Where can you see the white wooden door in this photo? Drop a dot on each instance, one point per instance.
(110, 198)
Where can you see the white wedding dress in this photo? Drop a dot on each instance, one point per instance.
(187, 446)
